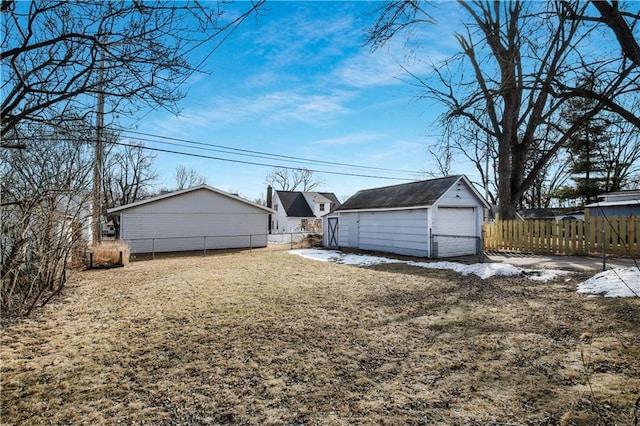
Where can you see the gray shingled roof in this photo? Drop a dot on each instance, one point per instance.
(295, 205)
(414, 194)
(332, 197)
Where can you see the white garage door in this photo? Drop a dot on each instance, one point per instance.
(456, 234)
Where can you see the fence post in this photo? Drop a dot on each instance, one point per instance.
(250, 244)
(204, 246)
(291, 240)
(604, 251)
(153, 248)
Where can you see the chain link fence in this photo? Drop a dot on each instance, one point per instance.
(141, 247)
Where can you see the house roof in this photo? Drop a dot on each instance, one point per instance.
(632, 194)
(613, 204)
(414, 194)
(330, 197)
(184, 191)
(295, 204)
(541, 213)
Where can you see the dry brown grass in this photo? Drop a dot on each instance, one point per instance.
(108, 253)
(265, 337)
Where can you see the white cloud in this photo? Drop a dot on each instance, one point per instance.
(267, 109)
(351, 139)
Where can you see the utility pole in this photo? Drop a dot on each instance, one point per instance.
(97, 166)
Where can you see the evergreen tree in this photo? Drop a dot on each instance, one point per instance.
(587, 157)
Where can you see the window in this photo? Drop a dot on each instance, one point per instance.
(321, 207)
(275, 207)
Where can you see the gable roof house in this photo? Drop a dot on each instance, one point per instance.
(431, 218)
(197, 218)
(300, 211)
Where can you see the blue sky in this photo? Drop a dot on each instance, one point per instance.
(298, 82)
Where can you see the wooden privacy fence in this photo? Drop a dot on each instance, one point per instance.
(618, 236)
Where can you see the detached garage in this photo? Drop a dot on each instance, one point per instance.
(432, 218)
(197, 218)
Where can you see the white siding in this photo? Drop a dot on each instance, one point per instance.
(279, 220)
(403, 232)
(459, 195)
(348, 230)
(193, 221)
(200, 201)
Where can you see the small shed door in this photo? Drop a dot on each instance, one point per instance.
(332, 223)
(456, 235)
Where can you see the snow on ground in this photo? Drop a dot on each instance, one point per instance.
(621, 282)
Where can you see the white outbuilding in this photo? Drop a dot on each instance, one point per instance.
(431, 218)
(198, 218)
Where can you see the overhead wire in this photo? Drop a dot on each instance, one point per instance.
(414, 175)
(260, 154)
(253, 163)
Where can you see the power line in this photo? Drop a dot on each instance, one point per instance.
(252, 153)
(252, 163)
(262, 154)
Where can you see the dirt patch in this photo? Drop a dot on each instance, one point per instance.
(265, 337)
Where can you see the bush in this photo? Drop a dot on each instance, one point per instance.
(107, 254)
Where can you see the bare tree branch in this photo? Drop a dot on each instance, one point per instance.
(614, 19)
(55, 54)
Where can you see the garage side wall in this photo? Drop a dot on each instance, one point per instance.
(194, 221)
(402, 232)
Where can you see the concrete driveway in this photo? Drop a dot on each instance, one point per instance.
(569, 263)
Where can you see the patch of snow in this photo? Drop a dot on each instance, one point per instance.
(339, 257)
(620, 282)
(483, 270)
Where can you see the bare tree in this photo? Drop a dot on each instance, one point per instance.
(57, 55)
(129, 175)
(442, 154)
(186, 178)
(45, 209)
(621, 154)
(518, 66)
(286, 179)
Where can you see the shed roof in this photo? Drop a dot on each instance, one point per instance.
(423, 193)
(295, 204)
(184, 191)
